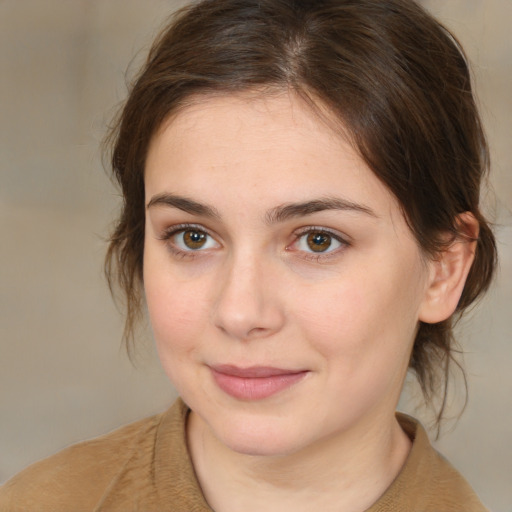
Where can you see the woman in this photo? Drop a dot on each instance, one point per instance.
(301, 214)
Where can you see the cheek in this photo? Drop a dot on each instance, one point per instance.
(331, 316)
(175, 307)
(176, 320)
(363, 316)
(333, 324)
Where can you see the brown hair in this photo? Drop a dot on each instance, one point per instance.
(396, 79)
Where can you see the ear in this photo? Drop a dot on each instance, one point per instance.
(448, 272)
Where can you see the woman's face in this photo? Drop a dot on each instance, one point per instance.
(283, 284)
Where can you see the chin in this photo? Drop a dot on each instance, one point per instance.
(259, 447)
(263, 437)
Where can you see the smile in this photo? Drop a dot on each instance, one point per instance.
(255, 383)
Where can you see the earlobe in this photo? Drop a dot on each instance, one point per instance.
(449, 271)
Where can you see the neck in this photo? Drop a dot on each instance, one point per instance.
(347, 471)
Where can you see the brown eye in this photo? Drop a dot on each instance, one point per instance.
(319, 242)
(194, 239)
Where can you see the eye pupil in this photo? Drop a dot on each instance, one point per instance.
(319, 242)
(194, 239)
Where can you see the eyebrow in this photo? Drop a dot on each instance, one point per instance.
(185, 204)
(275, 215)
(292, 210)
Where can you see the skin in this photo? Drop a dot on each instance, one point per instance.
(256, 294)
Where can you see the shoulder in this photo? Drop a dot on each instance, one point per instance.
(450, 488)
(77, 477)
(427, 481)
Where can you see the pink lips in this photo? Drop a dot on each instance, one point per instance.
(255, 383)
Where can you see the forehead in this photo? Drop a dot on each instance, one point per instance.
(246, 120)
(276, 148)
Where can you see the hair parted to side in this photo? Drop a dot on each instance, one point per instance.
(395, 78)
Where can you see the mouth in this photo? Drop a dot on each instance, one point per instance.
(254, 383)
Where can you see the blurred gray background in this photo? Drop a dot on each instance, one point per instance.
(63, 374)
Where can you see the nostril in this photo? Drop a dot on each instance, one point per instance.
(257, 332)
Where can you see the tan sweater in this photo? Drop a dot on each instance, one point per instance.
(146, 467)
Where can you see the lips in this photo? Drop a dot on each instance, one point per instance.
(254, 383)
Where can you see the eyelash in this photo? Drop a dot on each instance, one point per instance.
(320, 256)
(170, 232)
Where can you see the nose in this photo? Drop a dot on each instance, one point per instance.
(248, 304)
